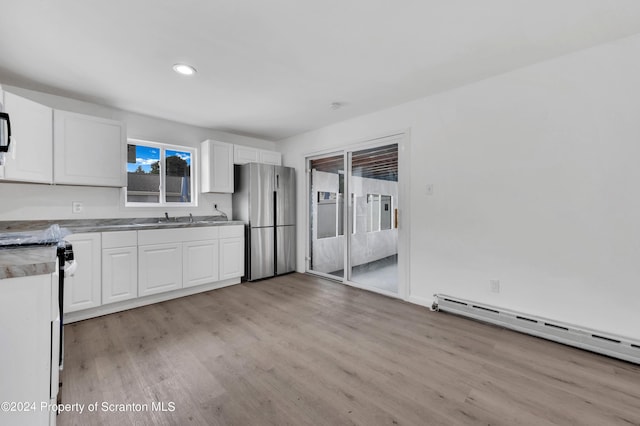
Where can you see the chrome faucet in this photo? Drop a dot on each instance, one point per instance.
(222, 214)
(166, 215)
(190, 218)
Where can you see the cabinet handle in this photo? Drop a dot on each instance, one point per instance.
(5, 116)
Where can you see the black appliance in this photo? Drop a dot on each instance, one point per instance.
(5, 141)
(65, 258)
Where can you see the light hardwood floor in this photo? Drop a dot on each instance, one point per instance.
(300, 350)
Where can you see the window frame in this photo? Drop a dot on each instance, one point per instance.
(376, 226)
(163, 147)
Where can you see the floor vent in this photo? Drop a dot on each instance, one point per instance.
(592, 340)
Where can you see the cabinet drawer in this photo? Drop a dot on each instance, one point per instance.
(162, 236)
(200, 234)
(119, 239)
(232, 231)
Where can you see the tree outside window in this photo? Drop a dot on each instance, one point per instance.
(159, 174)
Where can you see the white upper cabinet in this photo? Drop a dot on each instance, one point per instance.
(89, 150)
(245, 154)
(270, 157)
(30, 156)
(216, 166)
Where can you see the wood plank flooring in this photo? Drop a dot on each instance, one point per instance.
(300, 350)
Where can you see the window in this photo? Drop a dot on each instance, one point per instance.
(378, 212)
(329, 214)
(159, 174)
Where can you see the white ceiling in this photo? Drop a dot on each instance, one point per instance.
(271, 68)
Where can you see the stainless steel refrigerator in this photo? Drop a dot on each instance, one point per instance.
(264, 199)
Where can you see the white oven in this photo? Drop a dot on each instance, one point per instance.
(31, 326)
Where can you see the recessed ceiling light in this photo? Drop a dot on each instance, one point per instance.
(184, 69)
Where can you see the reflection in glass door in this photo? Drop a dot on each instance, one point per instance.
(370, 177)
(373, 241)
(326, 210)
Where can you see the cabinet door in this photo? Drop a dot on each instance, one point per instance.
(271, 157)
(245, 154)
(89, 150)
(231, 258)
(30, 156)
(25, 357)
(82, 290)
(200, 262)
(119, 274)
(159, 268)
(216, 166)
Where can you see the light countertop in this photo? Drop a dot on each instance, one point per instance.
(26, 261)
(120, 224)
(38, 260)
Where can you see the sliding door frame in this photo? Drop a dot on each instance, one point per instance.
(308, 253)
(402, 139)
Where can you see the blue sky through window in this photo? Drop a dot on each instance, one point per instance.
(145, 156)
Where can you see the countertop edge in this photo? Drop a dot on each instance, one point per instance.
(110, 224)
(24, 262)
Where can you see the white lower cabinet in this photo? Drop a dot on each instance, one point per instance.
(200, 262)
(119, 266)
(231, 251)
(231, 258)
(83, 289)
(159, 268)
(123, 266)
(28, 339)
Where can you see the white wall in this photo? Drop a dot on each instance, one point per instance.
(536, 184)
(370, 246)
(32, 201)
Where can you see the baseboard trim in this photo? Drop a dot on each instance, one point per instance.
(558, 331)
(111, 308)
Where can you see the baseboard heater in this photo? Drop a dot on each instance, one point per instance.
(584, 338)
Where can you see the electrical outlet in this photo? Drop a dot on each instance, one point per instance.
(76, 207)
(495, 286)
(429, 189)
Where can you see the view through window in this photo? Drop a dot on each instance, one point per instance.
(159, 174)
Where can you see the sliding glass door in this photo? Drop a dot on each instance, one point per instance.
(373, 240)
(353, 232)
(326, 215)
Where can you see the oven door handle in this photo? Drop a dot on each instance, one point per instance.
(55, 368)
(70, 268)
